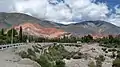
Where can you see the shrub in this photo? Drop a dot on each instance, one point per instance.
(44, 62)
(31, 52)
(91, 64)
(110, 50)
(76, 57)
(118, 55)
(98, 63)
(104, 49)
(60, 63)
(36, 49)
(101, 58)
(116, 63)
(114, 50)
(23, 54)
(113, 55)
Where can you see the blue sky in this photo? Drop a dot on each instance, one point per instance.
(110, 3)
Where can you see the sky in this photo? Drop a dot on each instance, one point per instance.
(66, 11)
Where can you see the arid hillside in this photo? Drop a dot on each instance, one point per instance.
(40, 31)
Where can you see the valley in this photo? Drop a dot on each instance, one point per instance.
(78, 55)
(32, 42)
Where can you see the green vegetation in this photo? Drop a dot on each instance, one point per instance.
(54, 57)
(51, 58)
(87, 39)
(91, 64)
(110, 41)
(23, 54)
(6, 37)
(99, 60)
(20, 35)
(116, 63)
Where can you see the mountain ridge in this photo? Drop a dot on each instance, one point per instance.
(80, 29)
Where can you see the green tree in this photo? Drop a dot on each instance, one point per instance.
(2, 31)
(9, 33)
(20, 34)
(87, 39)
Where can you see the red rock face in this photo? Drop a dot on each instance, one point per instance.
(37, 30)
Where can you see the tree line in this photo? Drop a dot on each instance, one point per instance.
(18, 37)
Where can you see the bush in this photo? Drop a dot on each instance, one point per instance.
(98, 63)
(68, 57)
(118, 55)
(110, 50)
(114, 50)
(36, 49)
(31, 52)
(60, 63)
(91, 64)
(44, 61)
(77, 57)
(113, 55)
(116, 63)
(101, 58)
(104, 49)
(23, 54)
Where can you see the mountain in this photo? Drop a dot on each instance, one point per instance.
(37, 27)
(92, 27)
(9, 19)
(38, 30)
(48, 27)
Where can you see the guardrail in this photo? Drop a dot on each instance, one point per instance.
(10, 45)
(43, 45)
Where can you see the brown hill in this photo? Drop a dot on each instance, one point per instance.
(40, 31)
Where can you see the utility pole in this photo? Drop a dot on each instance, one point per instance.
(28, 35)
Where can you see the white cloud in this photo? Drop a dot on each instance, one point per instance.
(36, 8)
(67, 22)
(115, 17)
(58, 13)
(77, 10)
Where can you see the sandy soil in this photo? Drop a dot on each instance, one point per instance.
(9, 58)
(88, 49)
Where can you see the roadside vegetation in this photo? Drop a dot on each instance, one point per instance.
(51, 58)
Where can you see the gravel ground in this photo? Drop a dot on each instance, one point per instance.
(9, 58)
(92, 50)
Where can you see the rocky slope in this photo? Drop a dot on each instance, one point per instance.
(49, 28)
(38, 30)
(92, 27)
(10, 19)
